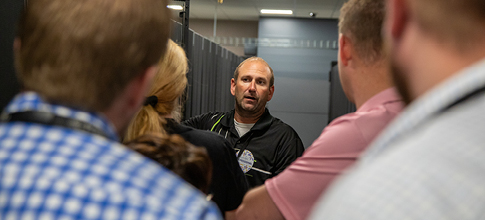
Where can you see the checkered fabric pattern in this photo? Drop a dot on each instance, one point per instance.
(428, 164)
(50, 172)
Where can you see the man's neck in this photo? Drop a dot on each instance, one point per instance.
(373, 80)
(247, 118)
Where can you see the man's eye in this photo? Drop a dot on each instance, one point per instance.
(261, 82)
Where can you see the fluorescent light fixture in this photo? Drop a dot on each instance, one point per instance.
(175, 7)
(278, 12)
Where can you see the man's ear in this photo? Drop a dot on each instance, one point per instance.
(345, 49)
(271, 92)
(130, 100)
(137, 89)
(233, 86)
(143, 85)
(398, 15)
(16, 45)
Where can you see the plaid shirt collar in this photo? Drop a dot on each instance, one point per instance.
(32, 101)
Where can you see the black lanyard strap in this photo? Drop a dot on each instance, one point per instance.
(246, 143)
(48, 118)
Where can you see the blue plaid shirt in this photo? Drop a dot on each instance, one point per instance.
(52, 172)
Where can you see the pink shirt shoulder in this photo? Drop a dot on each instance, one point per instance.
(299, 186)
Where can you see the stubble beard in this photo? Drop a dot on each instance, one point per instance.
(400, 81)
(247, 111)
(398, 75)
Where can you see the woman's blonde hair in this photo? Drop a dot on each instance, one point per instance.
(169, 87)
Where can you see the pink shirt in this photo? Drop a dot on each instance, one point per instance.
(299, 186)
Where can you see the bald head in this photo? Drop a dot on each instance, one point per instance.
(257, 59)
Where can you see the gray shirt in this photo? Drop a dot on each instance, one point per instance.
(242, 128)
(428, 164)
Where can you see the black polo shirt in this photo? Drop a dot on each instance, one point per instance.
(264, 151)
(228, 184)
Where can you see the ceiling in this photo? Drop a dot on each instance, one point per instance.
(248, 10)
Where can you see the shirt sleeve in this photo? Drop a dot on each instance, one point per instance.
(289, 153)
(297, 188)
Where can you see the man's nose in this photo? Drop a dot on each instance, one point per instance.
(252, 86)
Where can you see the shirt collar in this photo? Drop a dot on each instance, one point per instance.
(379, 99)
(32, 101)
(263, 123)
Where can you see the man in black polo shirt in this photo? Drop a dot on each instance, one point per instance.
(264, 145)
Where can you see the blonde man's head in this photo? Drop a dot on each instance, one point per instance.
(83, 53)
(361, 21)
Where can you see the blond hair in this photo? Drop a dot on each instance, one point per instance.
(361, 21)
(84, 53)
(169, 87)
(236, 72)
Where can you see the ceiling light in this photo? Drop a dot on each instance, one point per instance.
(279, 12)
(175, 7)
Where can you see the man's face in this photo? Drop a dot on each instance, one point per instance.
(251, 89)
(400, 80)
(399, 74)
(393, 47)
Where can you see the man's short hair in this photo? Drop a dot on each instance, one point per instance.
(83, 53)
(459, 22)
(361, 21)
(236, 72)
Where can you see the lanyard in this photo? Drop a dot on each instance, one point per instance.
(241, 150)
(48, 118)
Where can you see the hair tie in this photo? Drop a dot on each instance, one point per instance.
(152, 100)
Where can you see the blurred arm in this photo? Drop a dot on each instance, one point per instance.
(257, 204)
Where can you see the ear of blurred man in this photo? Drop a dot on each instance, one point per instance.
(130, 100)
(344, 50)
(345, 65)
(398, 16)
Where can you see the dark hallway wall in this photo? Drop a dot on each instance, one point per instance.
(9, 12)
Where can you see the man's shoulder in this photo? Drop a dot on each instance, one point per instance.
(203, 137)
(281, 126)
(409, 159)
(87, 170)
(286, 134)
(376, 118)
(206, 120)
(213, 115)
